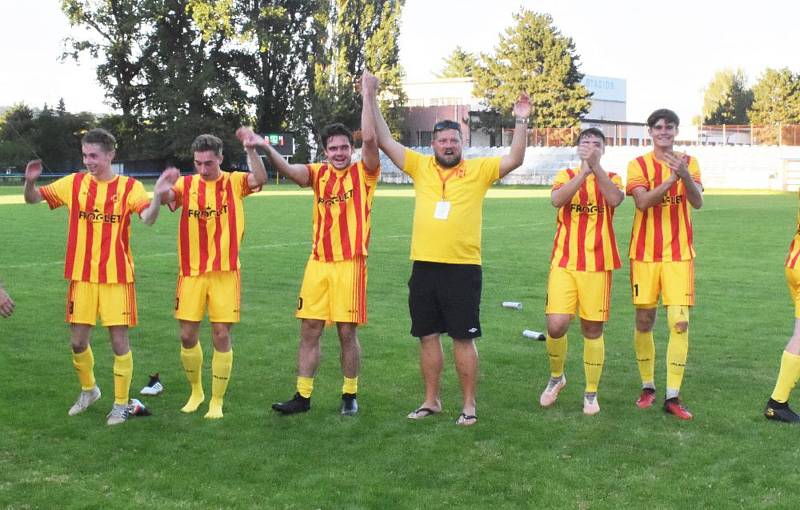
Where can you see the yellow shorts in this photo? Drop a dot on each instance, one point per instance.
(220, 290)
(115, 302)
(673, 280)
(588, 292)
(334, 291)
(793, 281)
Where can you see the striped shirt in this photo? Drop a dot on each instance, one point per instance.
(211, 226)
(342, 210)
(661, 233)
(585, 238)
(794, 246)
(98, 232)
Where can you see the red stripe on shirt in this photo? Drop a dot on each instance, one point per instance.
(357, 198)
(233, 248)
(658, 210)
(105, 237)
(566, 220)
(202, 226)
(74, 213)
(583, 220)
(344, 232)
(123, 248)
(327, 247)
(183, 229)
(318, 234)
(217, 264)
(87, 257)
(599, 249)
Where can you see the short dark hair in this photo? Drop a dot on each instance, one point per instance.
(207, 143)
(100, 137)
(335, 129)
(592, 131)
(662, 113)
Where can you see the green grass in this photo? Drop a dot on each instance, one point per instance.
(517, 456)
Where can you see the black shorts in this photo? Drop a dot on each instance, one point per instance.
(445, 298)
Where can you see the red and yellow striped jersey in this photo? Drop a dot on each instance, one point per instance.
(211, 227)
(98, 234)
(585, 238)
(662, 233)
(794, 246)
(341, 212)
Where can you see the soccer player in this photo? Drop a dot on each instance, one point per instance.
(210, 232)
(663, 184)
(778, 404)
(6, 303)
(584, 254)
(334, 288)
(445, 283)
(99, 262)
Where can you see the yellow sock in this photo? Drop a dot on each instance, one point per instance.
(350, 385)
(123, 370)
(221, 364)
(645, 349)
(557, 354)
(787, 377)
(594, 353)
(84, 367)
(192, 361)
(305, 385)
(677, 349)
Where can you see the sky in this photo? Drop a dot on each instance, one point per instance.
(666, 51)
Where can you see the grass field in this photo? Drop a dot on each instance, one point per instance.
(517, 456)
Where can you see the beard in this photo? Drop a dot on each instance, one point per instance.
(448, 161)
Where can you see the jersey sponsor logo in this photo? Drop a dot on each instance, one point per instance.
(208, 212)
(335, 199)
(587, 209)
(98, 217)
(668, 200)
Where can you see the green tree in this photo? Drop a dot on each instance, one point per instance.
(362, 34)
(776, 98)
(727, 98)
(459, 64)
(122, 38)
(533, 56)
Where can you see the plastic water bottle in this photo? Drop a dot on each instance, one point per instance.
(516, 305)
(535, 335)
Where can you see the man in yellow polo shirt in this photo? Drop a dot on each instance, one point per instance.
(445, 285)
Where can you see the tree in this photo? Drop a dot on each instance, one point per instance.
(363, 35)
(727, 98)
(459, 64)
(533, 56)
(776, 98)
(122, 39)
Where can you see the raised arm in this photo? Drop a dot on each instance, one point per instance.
(250, 140)
(519, 141)
(162, 194)
(32, 172)
(369, 138)
(391, 147)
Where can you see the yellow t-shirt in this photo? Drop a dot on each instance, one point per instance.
(454, 237)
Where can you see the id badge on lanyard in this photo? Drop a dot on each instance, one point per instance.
(442, 210)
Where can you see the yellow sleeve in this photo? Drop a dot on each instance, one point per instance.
(635, 177)
(58, 193)
(561, 178)
(138, 200)
(617, 180)
(694, 170)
